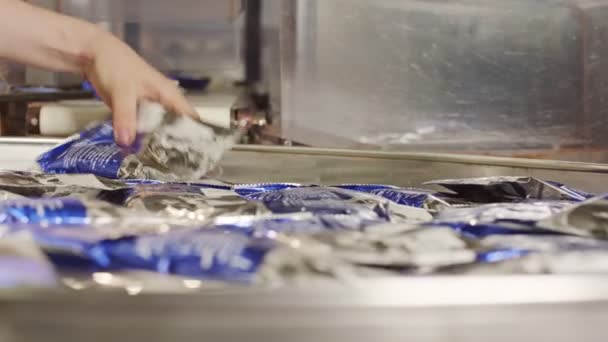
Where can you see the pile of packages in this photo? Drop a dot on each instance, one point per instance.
(101, 214)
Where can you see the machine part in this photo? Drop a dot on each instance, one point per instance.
(65, 118)
(253, 42)
(215, 108)
(14, 107)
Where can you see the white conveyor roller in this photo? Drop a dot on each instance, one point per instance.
(65, 118)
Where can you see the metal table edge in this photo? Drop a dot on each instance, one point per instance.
(414, 156)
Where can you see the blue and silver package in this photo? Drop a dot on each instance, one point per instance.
(336, 201)
(72, 212)
(501, 247)
(44, 212)
(318, 200)
(212, 254)
(418, 198)
(92, 151)
(175, 148)
(532, 254)
(246, 190)
(501, 218)
(588, 219)
(198, 253)
(510, 189)
(192, 202)
(300, 223)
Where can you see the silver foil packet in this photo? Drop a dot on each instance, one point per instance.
(16, 184)
(510, 189)
(589, 218)
(184, 201)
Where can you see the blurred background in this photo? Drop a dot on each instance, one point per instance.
(509, 78)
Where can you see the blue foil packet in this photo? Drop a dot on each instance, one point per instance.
(289, 199)
(199, 253)
(246, 190)
(320, 201)
(204, 253)
(303, 223)
(418, 198)
(92, 151)
(501, 218)
(45, 213)
(510, 189)
(175, 148)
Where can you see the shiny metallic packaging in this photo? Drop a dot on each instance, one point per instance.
(535, 254)
(65, 212)
(284, 233)
(510, 189)
(588, 219)
(418, 198)
(501, 218)
(17, 184)
(184, 201)
(320, 200)
(168, 147)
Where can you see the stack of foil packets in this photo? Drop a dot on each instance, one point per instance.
(102, 216)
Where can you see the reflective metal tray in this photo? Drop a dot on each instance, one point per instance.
(499, 308)
(254, 164)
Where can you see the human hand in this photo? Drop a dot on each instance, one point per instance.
(123, 79)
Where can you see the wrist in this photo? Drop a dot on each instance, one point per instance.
(91, 40)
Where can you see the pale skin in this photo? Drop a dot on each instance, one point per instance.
(45, 39)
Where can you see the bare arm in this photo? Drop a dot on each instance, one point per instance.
(45, 39)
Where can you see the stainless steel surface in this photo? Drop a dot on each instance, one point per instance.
(422, 309)
(468, 76)
(256, 164)
(250, 163)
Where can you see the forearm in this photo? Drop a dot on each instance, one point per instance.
(38, 37)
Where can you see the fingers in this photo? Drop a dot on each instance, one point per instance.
(172, 99)
(124, 108)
